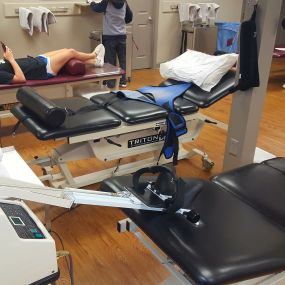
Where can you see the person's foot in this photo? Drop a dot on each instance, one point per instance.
(99, 55)
(123, 85)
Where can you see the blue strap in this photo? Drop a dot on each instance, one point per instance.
(134, 95)
(164, 96)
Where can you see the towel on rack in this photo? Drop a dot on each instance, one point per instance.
(39, 15)
(212, 16)
(194, 11)
(26, 19)
(50, 18)
(183, 9)
(204, 12)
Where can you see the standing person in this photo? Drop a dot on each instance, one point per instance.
(117, 14)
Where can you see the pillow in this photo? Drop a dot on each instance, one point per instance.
(74, 67)
(202, 69)
(45, 109)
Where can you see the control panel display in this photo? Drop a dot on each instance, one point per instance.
(17, 221)
(22, 222)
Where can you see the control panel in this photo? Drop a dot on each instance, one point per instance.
(21, 221)
(26, 246)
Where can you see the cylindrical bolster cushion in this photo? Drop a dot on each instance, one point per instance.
(74, 67)
(45, 109)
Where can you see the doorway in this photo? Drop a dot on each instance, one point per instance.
(143, 12)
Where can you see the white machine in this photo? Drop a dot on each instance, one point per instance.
(26, 245)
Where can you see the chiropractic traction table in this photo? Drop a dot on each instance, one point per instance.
(240, 234)
(110, 127)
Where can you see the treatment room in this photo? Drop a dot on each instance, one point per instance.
(142, 142)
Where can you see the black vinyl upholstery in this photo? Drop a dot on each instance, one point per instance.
(50, 113)
(204, 99)
(107, 111)
(236, 240)
(277, 163)
(130, 111)
(102, 112)
(254, 184)
(81, 123)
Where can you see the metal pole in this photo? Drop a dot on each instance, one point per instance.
(247, 106)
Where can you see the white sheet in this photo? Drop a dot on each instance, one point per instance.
(202, 69)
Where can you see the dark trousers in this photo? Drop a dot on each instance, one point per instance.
(115, 47)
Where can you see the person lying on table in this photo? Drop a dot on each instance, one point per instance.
(44, 66)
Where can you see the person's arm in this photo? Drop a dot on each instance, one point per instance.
(99, 7)
(129, 14)
(19, 76)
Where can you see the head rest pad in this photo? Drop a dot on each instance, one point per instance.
(46, 110)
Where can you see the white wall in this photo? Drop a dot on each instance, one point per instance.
(168, 31)
(280, 37)
(73, 31)
(69, 31)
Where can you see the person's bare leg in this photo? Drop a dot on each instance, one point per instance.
(51, 53)
(89, 61)
(59, 59)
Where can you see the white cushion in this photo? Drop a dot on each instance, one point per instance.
(202, 69)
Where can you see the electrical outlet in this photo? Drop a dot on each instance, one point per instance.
(234, 145)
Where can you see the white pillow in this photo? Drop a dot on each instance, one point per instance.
(202, 69)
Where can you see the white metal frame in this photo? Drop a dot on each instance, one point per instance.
(112, 145)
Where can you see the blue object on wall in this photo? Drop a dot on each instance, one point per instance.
(227, 41)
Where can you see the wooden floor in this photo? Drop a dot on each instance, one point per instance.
(100, 254)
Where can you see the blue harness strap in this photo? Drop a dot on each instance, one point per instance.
(164, 97)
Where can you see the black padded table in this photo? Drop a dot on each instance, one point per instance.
(204, 99)
(102, 112)
(90, 120)
(107, 111)
(234, 241)
(260, 185)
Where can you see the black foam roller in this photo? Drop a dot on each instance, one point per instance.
(46, 110)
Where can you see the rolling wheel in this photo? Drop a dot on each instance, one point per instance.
(207, 163)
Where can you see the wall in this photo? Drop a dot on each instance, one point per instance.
(168, 27)
(280, 37)
(73, 31)
(69, 31)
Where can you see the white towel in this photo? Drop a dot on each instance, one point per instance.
(212, 16)
(50, 18)
(194, 11)
(204, 12)
(26, 20)
(39, 15)
(183, 9)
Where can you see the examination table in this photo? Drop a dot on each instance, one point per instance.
(241, 232)
(223, 231)
(111, 128)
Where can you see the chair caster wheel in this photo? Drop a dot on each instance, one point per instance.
(207, 164)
